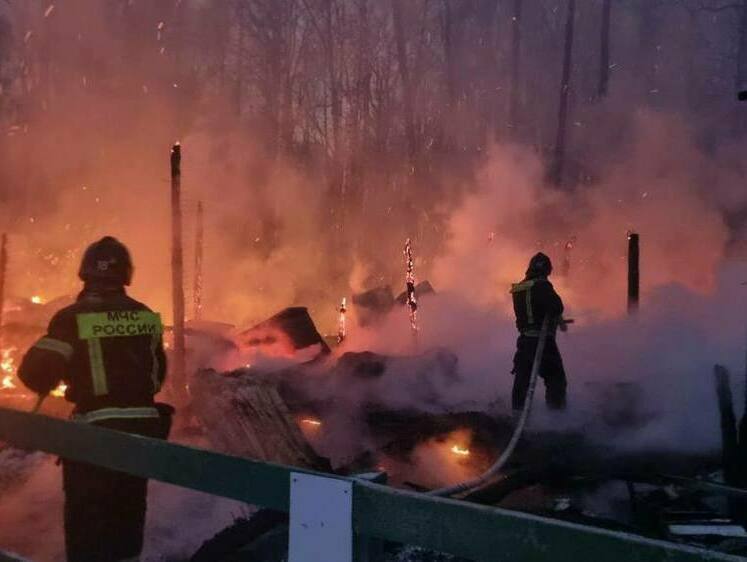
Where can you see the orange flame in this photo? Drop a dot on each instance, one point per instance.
(461, 451)
(7, 368)
(59, 392)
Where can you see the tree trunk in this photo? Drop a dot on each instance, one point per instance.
(448, 38)
(558, 164)
(648, 52)
(742, 48)
(741, 77)
(604, 50)
(488, 79)
(239, 82)
(334, 91)
(513, 103)
(408, 97)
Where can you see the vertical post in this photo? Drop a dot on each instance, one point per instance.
(3, 272)
(729, 437)
(634, 274)
(199, 243)
(177, 270)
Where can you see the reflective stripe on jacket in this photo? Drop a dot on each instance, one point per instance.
(534, 299)
(108, 349)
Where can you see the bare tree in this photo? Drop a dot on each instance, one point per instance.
(558, 162)
(407, 87)
(604, 50)
(515, 57)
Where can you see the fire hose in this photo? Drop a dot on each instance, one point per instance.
(485, 477)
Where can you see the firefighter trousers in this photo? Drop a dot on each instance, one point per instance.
(551, 371)
(105, 510)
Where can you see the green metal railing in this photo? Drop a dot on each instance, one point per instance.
(379, 512)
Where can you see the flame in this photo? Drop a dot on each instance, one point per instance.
(7, 368)
(461, 451)
(311, 421)
(36, 299)
(341, 323)
(59, 392)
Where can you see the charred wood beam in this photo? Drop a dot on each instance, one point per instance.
(729, 437)
(634, 272)
(178, 370)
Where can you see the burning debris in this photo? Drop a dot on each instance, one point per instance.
(342, 330)
(412, 302)
(287, 332)
(373, 305)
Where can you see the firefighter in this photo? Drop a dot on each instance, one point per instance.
(107, 348)
(534, 299)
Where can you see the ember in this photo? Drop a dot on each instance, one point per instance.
(59, 392)
(7, 368)
(457, 450)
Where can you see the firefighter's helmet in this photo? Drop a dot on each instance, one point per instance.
(539, 266)
(107, 260)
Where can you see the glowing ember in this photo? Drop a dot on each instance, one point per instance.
(7, 368)
(341, 325)
(412, 302)
(59, 392)
(457, 450)
(36, 299)
(311, 421)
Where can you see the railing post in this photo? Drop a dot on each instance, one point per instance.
(321, 519)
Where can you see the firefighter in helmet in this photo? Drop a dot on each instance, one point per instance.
(107, 348)
(535, 299)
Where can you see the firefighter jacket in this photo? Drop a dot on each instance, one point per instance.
(108, 349)
(534, 299)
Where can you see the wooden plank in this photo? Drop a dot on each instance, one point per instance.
(248, 418)
(467, 530)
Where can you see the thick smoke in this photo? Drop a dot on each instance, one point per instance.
(86, 154)
(659, 185)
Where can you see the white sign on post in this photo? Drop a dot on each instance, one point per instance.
(321, 519)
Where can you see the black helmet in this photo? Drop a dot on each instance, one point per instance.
(107, 260)
(539, 266)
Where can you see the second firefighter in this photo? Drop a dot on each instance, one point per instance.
(534, 299)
